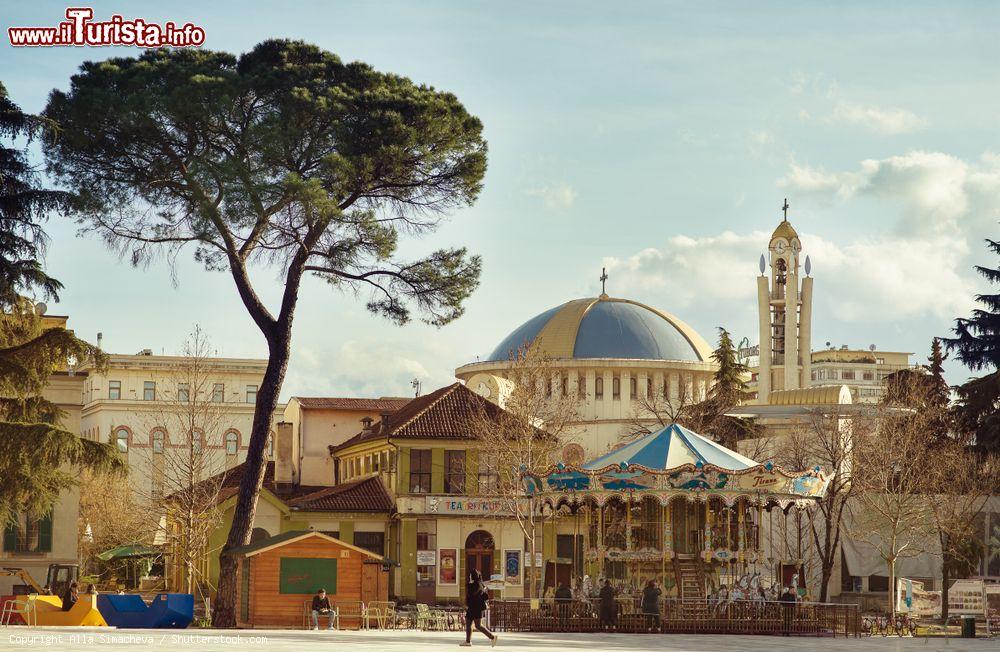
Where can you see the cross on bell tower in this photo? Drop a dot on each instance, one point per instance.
(784, 209)
(604, 279)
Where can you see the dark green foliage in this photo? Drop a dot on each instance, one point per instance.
(729, 389)
(977, 346)
(38, 458)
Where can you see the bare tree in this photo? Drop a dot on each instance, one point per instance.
(890, 510)
(962, 482)
(186, 457)
(826, 439)
(524, 439)
(111, 514)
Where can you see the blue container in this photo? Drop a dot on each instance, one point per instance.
(165, 611)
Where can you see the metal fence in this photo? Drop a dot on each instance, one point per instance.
(680, 616)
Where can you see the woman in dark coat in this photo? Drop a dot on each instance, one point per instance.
(609, 606)
(651, 604)
(477, 599)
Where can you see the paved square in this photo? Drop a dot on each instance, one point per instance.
(77, 639)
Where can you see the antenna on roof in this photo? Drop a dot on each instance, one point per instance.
(415, 384)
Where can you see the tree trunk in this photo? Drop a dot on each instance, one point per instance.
(945, 581)
(224, 611)
(892, 586)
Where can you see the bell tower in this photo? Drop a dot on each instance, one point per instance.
(784, 303)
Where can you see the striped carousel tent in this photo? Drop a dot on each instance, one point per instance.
(669, 448)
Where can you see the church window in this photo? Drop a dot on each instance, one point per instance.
(565, 385)
(616, 388)
(847, 374)
(633, 391)
(649, 388)
(599, 388)
(867, 375)
(581, 387)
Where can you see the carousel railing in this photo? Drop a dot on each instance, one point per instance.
(679, 616)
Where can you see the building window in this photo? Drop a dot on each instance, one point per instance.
(251, 394)
(878, 583)
(420, 471)
(149, 391)
(454, 478)
(158, 438)
(232, 443)
(218, 393)
(426, 542)
(114, 390)
(183, 392)
(565, 385)
(633, 388)
(867, 375)
(121, 440)
(270, 446)
(616, 388)
(197, 442)
(599, 387)
(847, 375)
(489, 479)
(754, 376)
(28, 534)
(371, 541)
(649, 388)
(581, 387)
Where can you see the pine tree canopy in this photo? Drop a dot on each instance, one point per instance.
(38, 458)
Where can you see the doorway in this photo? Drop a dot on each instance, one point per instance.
(479, 550)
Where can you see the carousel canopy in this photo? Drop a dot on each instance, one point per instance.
(671, 447)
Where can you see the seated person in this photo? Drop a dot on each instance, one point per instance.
(70, 597)
(321, 605)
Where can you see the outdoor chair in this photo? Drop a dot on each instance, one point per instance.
(16, 608)
(428, 619)
(381, 613)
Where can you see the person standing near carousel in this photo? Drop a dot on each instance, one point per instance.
(608, 606)
(651, 605)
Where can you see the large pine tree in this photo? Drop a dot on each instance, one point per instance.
(977, 346)
(729, 389)
(38, 458)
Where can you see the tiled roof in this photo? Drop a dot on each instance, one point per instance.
(442, 414)
(384, 404)
(364, 495)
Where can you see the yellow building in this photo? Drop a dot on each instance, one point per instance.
(862, 371)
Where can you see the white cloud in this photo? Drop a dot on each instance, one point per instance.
(940, 194)
(559, 195)
(890, 120)
(368, 367)
(865, 281)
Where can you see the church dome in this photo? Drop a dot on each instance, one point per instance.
(784, 230)
(602, 328)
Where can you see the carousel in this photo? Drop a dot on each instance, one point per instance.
(677, 507)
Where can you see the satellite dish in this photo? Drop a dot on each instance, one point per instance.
(40, 308)
(762, 264)
(809, 265)
(871, 347)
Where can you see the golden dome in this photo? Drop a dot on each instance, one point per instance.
(784, 230)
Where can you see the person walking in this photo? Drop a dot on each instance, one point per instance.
(477, 599)
(608, 607)
(651, 605)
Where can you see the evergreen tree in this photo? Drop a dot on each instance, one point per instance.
(924, 388)
(977, 344)
(38, 458)
(729, 389)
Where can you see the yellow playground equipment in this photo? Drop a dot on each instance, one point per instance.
(46, 610)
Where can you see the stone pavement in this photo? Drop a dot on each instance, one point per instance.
(207, 640)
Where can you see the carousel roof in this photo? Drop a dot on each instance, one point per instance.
(671, 447)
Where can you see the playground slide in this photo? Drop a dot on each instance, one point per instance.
(48, 611)
(166, 610)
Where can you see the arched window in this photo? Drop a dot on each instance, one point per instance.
(158, 441)
(197, 442)
(633, 390)
(121, 440)
(616, 388)
(599, 387)
(232, 442)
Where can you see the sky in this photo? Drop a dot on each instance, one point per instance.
(658, 140)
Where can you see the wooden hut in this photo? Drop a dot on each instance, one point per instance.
(278, 576)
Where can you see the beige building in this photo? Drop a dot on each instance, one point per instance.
(34, 543)
(614, 355)
(144, 404)
(862, 371)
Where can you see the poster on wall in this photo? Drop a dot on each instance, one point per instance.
(512, 567)
(527, 559)
(448, 566)
(426, 558)
(913, 598)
